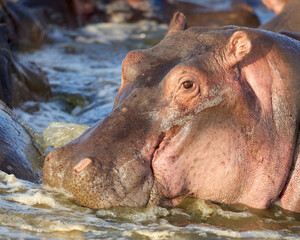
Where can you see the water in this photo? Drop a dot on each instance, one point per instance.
(84, 69)
(30, 211)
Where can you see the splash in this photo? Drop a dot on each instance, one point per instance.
(58, 134)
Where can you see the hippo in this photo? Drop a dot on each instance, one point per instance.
(287, 17)
(237, 14)
(197, 15)
(18, 153)
(208, 113)
(26, 31)
(19, 81)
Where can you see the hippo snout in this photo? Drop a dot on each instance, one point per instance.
(97, 182)
(54, 169)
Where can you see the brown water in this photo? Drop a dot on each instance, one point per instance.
(30, 211)
(84, 69)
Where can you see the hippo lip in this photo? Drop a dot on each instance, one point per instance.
(165, 140)
(163, 144)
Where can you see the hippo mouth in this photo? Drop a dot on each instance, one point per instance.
(165, 140)
(165, 153)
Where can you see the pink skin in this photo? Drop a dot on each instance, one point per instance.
(215, 119)
(217, 164)
(276, 6)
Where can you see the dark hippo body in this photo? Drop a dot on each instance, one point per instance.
(197, 15)
(18, 153)
(26, 31)
(19, 82)
(207, 113)
(35, 15)
(59, 12)
(238, 14)
(287, 18)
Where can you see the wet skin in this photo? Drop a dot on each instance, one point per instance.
(19, 82)
(18, 153)
(207, 113)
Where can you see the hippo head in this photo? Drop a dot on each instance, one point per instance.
(182, 125)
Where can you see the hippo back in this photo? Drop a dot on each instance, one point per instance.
(18, 153)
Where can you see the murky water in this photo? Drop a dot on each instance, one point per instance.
(84, 69)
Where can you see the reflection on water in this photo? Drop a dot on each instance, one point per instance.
(84, 68)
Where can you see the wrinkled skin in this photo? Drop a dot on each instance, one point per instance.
(19, 82)
(18, 153)
(287, 18)
(216, 118)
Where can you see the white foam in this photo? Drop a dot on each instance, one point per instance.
(151, 234)
(37, 198)
(53, 226)
(10, 180)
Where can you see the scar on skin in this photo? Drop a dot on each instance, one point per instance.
(48, 156)
(82, 164)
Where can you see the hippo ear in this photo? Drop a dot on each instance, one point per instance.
(178, 23)
(238, 47)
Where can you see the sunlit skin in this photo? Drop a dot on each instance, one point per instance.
(276, 6)
(207, 113)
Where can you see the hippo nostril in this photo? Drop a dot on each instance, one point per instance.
(48, 156)
(82, 164)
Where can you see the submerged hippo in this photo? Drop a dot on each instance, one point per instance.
(207, 113)
(19, 82)
(287, 18)
(197, 15)
(59, 12)
(18, 153)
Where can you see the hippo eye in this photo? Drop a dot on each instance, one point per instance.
(188, 84)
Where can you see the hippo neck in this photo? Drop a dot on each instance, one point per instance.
(272, 84)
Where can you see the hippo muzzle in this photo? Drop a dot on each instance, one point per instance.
(111, 163)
